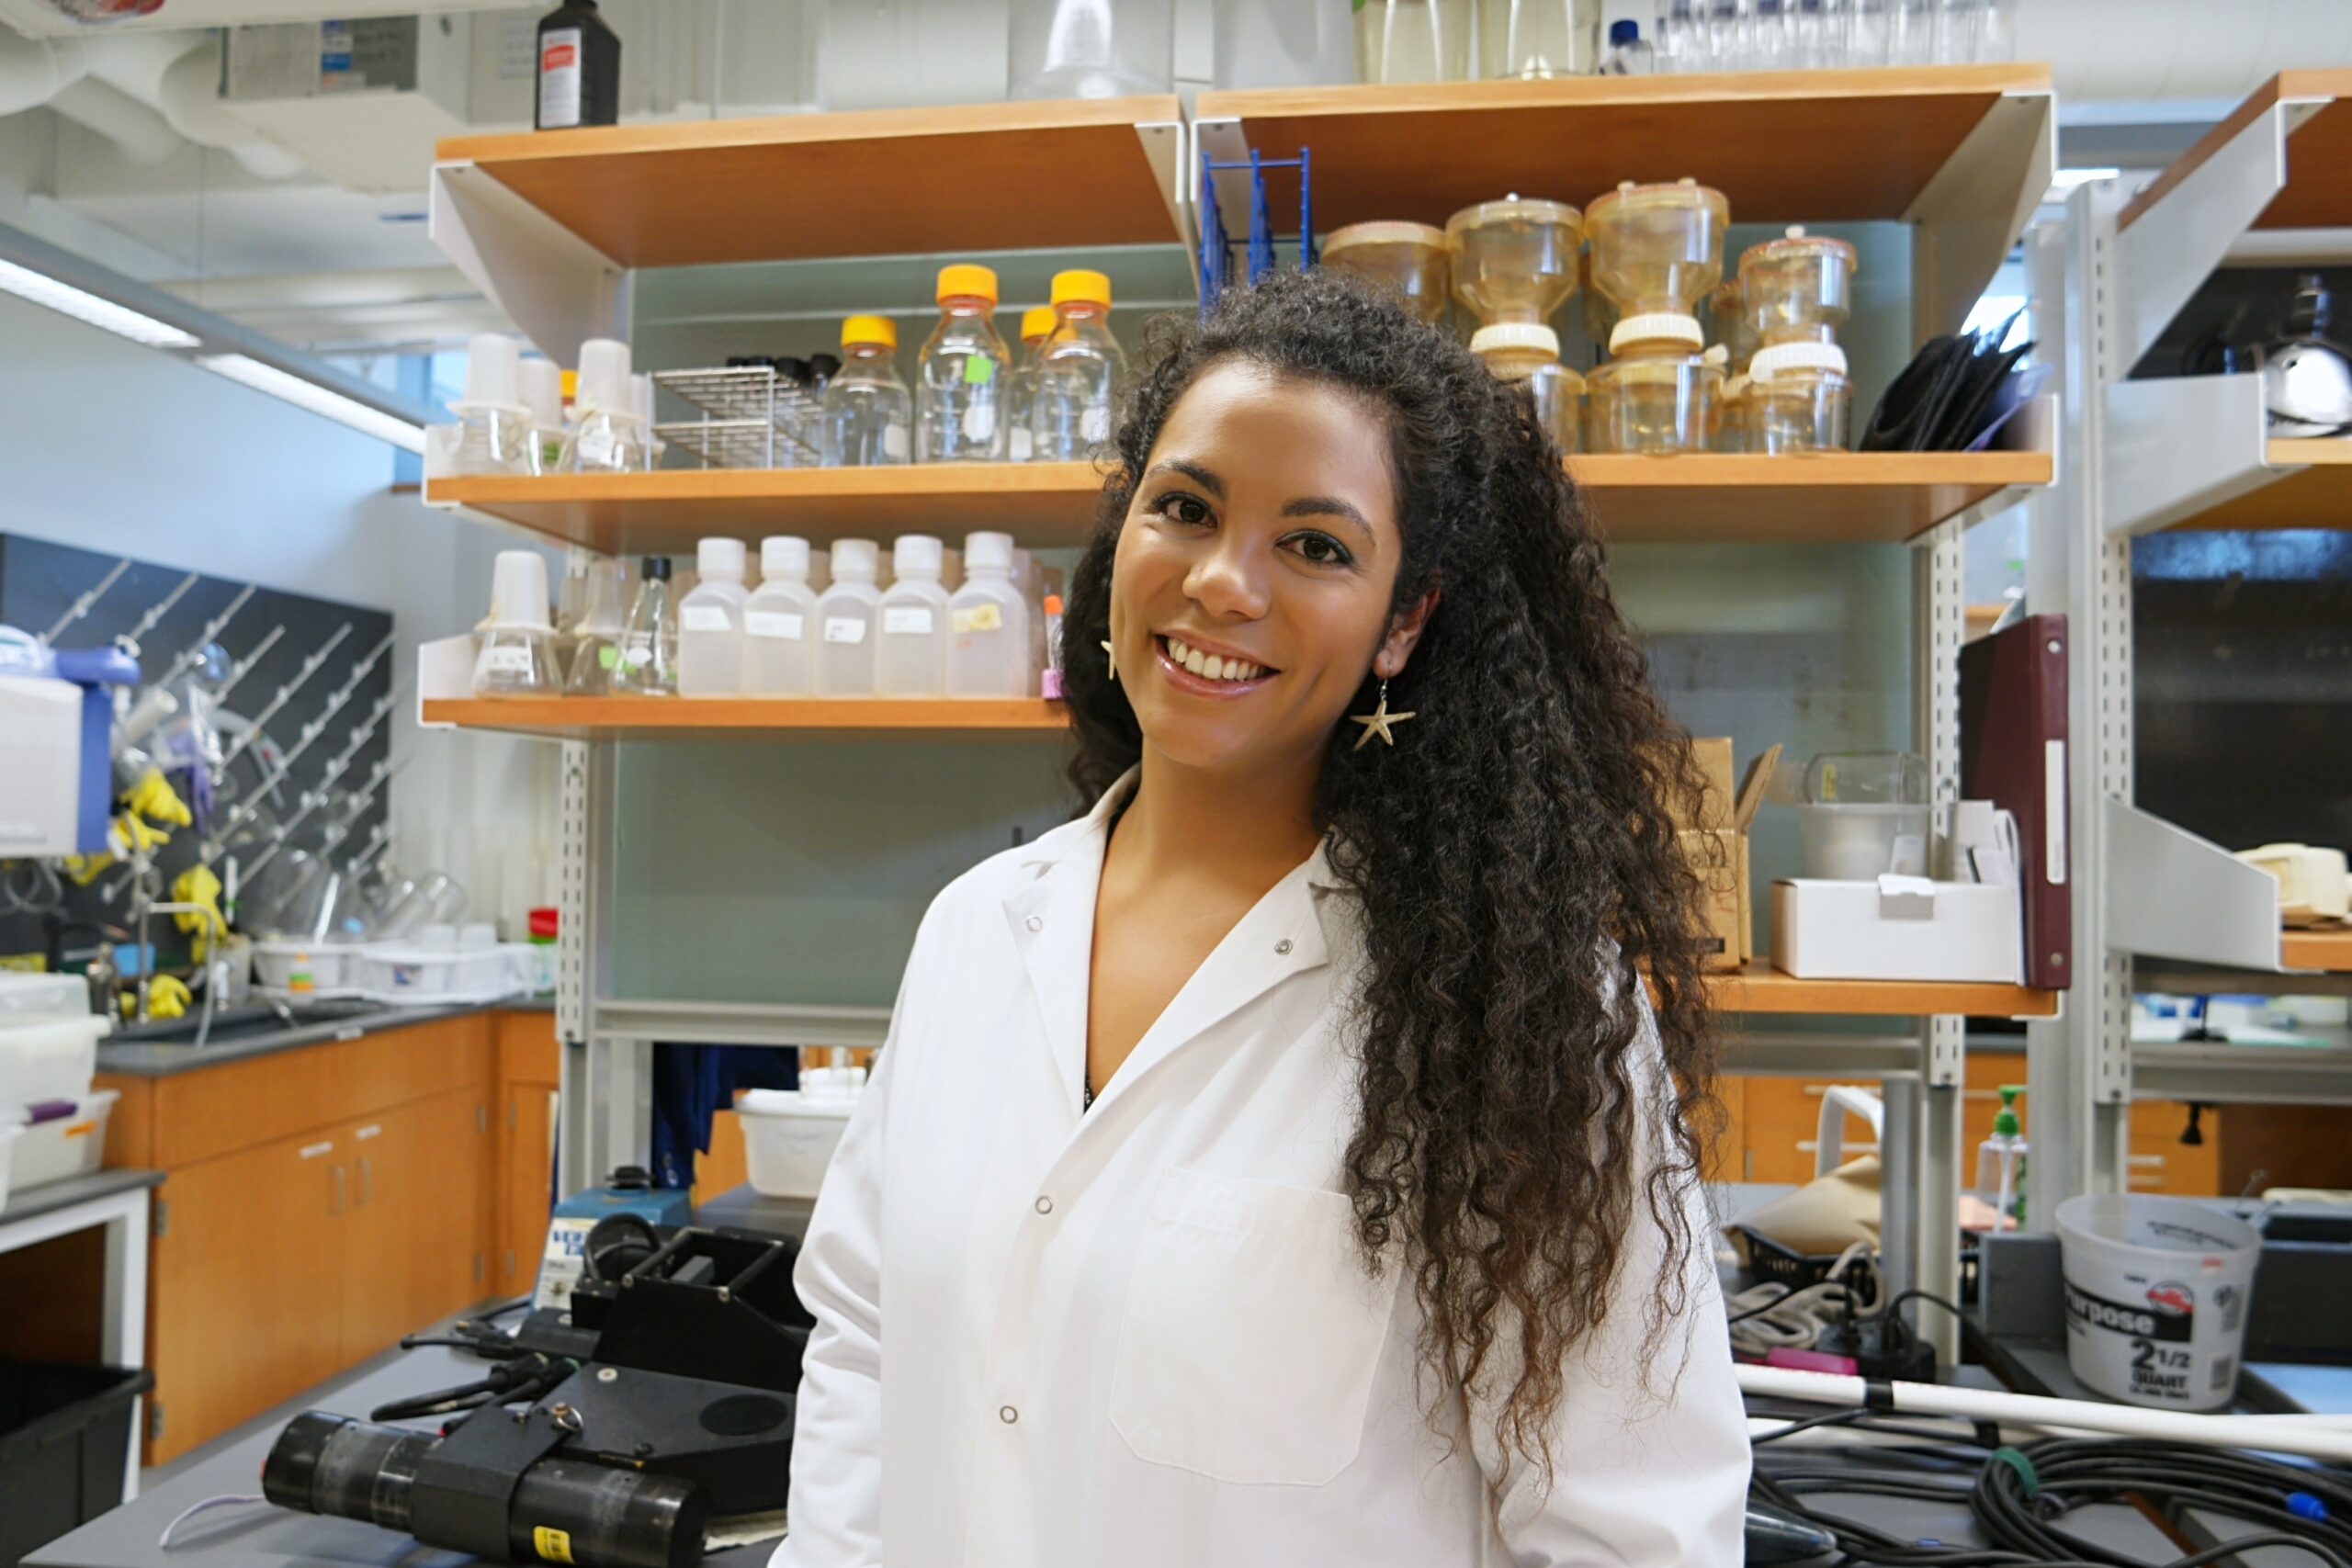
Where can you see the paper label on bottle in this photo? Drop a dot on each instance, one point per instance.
(893, 442)
(1094, 424)
(979, 370)
(844, 628)
(772, 623)
(977, 618)
(637, 655)
(559, 78)
(597, 446)
(607, 656)
(509, 659)
(1020, 443)
(907, 620)
(702, 618)
(979, 423)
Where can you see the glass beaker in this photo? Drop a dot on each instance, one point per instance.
(1514, 260)
(1407, 259)
(1658, 249)
(1412, 40)
(1538, 39)
(1090, 49)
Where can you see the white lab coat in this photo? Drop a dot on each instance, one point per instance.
(1142, 1336)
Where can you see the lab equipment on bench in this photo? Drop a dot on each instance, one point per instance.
(608, 434)
(1656, 252)
(628, 1190)
(493, 418)
(779, 620)
(680, 1415)
(517, 657)
(2000, 1161)
(1863, 813)
(846, 612)
(56, 723)
(1528, 354)
(1796, 292)
(1080, 371)
(710, 623)
(1408, 260)
(910, 657)
(868, 412)
(959, 391)
(596, 644)
(1021, 381)
(2311, 881)
(1083, 48)
(1515, 260)
(648, 666)
(988, 624)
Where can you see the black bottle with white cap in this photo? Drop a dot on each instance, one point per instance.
(580, 69)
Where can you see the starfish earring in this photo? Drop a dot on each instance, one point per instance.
(1378, 720)
(1109, 661)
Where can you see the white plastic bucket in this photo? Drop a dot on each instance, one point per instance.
(2156, 1296)
(789, 1139)
(63, 1147)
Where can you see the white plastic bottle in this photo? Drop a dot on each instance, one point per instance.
(845, 617)
(912, 659)
(710, 623)
(2000, 1161)
(988, 624)
(779, 620)
(961, 376)
(1080, 368)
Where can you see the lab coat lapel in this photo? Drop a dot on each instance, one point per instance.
(1052, 922)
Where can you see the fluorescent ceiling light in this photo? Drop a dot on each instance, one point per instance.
(318, 399)
(2067, 179)
(83, 306)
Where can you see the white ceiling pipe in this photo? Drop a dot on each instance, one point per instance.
(33, 71)
(143, 136)
(188, 92)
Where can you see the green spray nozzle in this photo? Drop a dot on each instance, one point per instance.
(2004, 1123)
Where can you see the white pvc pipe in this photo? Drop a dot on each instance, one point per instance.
(2071, 1415)
(143, 134)
(35, 70)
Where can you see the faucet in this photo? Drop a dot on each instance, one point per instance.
(212, 961)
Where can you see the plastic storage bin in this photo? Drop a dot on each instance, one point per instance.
(46, 1061)
(400, 973)
(70, 1143)
(1858, 842)
(64, 1441)
(9, 1133)
(789, 1139)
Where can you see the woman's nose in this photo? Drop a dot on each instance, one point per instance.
(1230, 580)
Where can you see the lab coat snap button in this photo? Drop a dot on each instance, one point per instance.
(1045, 1205)
(1283, 947)
(1036, 922)
(1008, 1414)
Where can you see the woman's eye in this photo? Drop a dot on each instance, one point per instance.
(1320, 548)
(1178, 507)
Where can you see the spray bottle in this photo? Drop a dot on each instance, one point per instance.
(2000, 1160)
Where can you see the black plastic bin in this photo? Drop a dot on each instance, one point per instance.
(65, 1439)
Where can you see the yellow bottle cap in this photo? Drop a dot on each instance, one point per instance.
(1080, 284)
(870, 329)
(570, 380)
(1036, 321)
(966, 282)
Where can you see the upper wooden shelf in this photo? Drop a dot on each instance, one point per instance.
(891, 182)
(1800, 146)
(755, 718)
(2313, 488)
(1760, 988)
(1701, 498)
(2327, 950)
(2318, 192)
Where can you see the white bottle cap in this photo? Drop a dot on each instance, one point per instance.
(1515, 334)
(987, 552)
(917, 555)
(1770, 361)
(542, 383)
(781, 555)
(856, 560)
(518, 590)
(1657, 326)
(719, 559)
(491, 370)
(603, 379)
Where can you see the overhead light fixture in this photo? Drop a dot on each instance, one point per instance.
(403, 433)
(87, 307)
(2067, 179)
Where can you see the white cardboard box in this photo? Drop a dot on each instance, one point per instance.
(1897, 928)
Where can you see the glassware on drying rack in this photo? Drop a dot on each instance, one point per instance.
(750, 414)
(1794, 35)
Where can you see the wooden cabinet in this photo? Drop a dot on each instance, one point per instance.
(529, 1060)
(317, 1204)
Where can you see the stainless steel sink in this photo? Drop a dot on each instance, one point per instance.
(245, 1021)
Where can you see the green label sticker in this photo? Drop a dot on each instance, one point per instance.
(607, 656)
(979, 370)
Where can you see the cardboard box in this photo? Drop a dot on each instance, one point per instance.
(1897, 928)
(1719, 859)
(1713, 758)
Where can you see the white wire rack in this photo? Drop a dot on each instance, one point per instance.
(751, 418)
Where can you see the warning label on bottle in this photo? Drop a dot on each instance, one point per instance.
(559, 78)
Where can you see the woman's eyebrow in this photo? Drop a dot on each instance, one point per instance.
(1329, 507)
(1191, 470)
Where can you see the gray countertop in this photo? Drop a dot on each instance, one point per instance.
(151, 1059)
(46, 1199)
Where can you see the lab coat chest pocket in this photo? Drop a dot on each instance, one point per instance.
(1251, 1334)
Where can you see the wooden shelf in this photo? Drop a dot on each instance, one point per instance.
(1702, 498)
(895, 182)
(2318, 193)
(1801, 146)
(2327, 950)
(755, 718)
(1760, 988)
(2312, 490)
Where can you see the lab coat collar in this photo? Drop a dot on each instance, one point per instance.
(1052, 923)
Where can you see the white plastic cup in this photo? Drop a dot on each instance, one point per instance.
(856, 561)
(719, 559)
(542, 384)
(1859, 842)
(603, 385)
(2157, 1291)
(783, 555)
(518, 590)
(916, 555)
(493, 370)
(987, 552)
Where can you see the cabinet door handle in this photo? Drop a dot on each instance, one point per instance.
(366, 1181)
(336, 1207)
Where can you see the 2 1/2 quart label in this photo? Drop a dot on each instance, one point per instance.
(2169, 1313)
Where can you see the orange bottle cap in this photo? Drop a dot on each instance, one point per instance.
(870, 329)
(966, 281)
(1082, 285)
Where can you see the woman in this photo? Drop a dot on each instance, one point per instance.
(1281, 1165)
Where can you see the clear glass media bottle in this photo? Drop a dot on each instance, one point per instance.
(710, 623)
(1080, 370)
(1020, 383)
(845, 615)
(649, 646)
(911, 660)
(867, 409)
(960, 379)
(779, 620)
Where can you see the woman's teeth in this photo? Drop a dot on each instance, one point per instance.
(1209, 666)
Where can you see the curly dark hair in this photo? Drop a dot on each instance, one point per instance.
(1515, 855)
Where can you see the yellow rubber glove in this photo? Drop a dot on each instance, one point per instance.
(82, 870)
(153, 798)
(167, 996)
(133, 836)
(197, 884)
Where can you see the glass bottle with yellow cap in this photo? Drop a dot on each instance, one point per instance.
(1080, 371)
(960, 379)
(867, 409)
(1020, 384)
